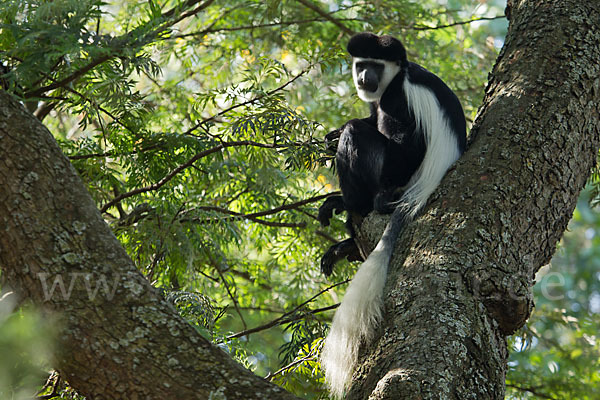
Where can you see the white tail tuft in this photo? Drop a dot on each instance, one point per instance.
(355, 320)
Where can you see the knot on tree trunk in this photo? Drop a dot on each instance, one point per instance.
(508, 299)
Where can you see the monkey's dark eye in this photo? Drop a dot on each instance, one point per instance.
(371, 66)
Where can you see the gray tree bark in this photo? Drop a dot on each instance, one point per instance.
(119, 339)
(462, 276)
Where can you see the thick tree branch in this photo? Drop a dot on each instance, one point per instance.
(111, 317)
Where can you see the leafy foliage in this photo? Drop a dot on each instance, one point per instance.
(198, 128)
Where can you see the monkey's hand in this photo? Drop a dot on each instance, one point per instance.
(332, 139)
(331, 205)
(333, 135)
(346, 248)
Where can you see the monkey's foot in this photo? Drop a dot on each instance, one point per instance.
(385, 201)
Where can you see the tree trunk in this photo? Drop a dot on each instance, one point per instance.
(119, 339)
(462, 276)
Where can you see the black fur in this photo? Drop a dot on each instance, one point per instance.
(377, 156)
(369, 45)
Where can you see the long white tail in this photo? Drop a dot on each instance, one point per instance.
(356, 318)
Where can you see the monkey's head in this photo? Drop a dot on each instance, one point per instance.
(375, 62)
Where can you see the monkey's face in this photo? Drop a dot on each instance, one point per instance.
(372, 76)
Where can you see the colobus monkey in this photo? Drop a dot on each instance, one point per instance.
(389, 162)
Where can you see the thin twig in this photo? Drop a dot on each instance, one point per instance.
(114, 154)
(207, 152)
(284, 318)
(326, 236)
(532, 390)
(62, 83)
(94, 63)
(251, 101)
(187, 164)
(425, 28)
(192, 12)
(246, 276)
(291, 206)
(232, 297)
(256, 26)
(71, 90)
(259, 221)
(99, 107)
(163, 181)
(289, 366)
(254, 216)
(317, 9)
